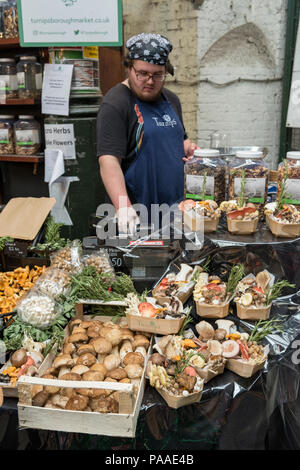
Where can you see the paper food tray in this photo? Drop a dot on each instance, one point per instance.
(283, 230)
(242, 227)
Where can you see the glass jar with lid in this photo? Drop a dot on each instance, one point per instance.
(27, 135)
(290, 171)
(8, 78)
(204, 176)
(6, 134)
(29, 75)
(1, 20)
(248, 177)
(10, 19)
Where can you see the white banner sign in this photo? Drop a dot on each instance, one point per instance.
(70, 22)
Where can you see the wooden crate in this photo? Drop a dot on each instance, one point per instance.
(122, 424)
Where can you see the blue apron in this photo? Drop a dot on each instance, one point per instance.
(156, 176)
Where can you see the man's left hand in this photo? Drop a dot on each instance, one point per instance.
(190, 148)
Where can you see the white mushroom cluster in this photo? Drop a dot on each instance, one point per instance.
(38, 310)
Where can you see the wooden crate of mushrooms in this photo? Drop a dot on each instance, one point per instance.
(95, 385)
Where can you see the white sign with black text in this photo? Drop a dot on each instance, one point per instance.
(61, 136)
(56, 89)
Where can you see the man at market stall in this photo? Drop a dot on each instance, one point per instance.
(141, 140)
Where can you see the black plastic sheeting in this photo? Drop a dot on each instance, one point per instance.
(261, 412)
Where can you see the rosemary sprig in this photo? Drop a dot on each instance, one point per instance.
(241, 199)
(188, 319)
(204, 186)
(236, 274)
(53, 240)
(282, 192)
(204, 267)
(274, 292)
(263, 328)
(184, 361)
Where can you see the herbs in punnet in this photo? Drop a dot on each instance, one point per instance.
(235, 275)
(276, 290)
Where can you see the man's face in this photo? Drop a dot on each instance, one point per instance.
(146, 87)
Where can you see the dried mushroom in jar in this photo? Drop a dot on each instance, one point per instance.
(205, 176)
(10, 19)
(27, 135)
(289, 173)
(248, 176)
(6, 135)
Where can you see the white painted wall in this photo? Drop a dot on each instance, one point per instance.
(241, 38)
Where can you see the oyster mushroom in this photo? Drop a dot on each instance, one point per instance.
(214, 347)
(263, 280)
(184, 273)
(225, 324)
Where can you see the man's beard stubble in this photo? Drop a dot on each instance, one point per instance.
(141, 96)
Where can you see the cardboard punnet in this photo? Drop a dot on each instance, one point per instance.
(252, 313)
(212, 311)
(179, 401)
(283, 230)
(242, 227)
(199, 223)
(244, 368)
(159, 326)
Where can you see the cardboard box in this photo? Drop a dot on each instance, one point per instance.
(183, 293)
(283, 230)
(252, 313)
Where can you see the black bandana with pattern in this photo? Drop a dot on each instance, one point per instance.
(152, 48)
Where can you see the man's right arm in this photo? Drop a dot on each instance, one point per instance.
(114, 181)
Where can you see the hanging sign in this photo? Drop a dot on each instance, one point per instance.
(70, 22)
(56, 89)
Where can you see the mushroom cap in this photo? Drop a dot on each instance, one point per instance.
(75, 322)
(77, 403)
(63, 360)
(214, 347)
(70, 376)
(93, 375)
(80, 369)
(112, 334)
(87, 324)
(69, 348)
(133, 358)
(90, 392)
(94, 331)
(134, 371)
(140, 341)
(99, 368)
(205, 330)
(101, 345)
(117, 373)
(48, 388)
(78, 337)
(141, 350)
(78, 329)
(125, 381)
(86, 348)
(112, 361)
(86, 359)
(127, 334)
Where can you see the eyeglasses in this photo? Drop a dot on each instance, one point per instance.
(143, 76)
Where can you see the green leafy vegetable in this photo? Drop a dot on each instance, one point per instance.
(4, 240)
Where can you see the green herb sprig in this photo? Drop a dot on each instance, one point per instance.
(236, 274)
(184, 361)
(282, 192)
(275, 291)
(188, 319)
(204, 186)
(241, 198)
(53, 240)
(263, 328)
